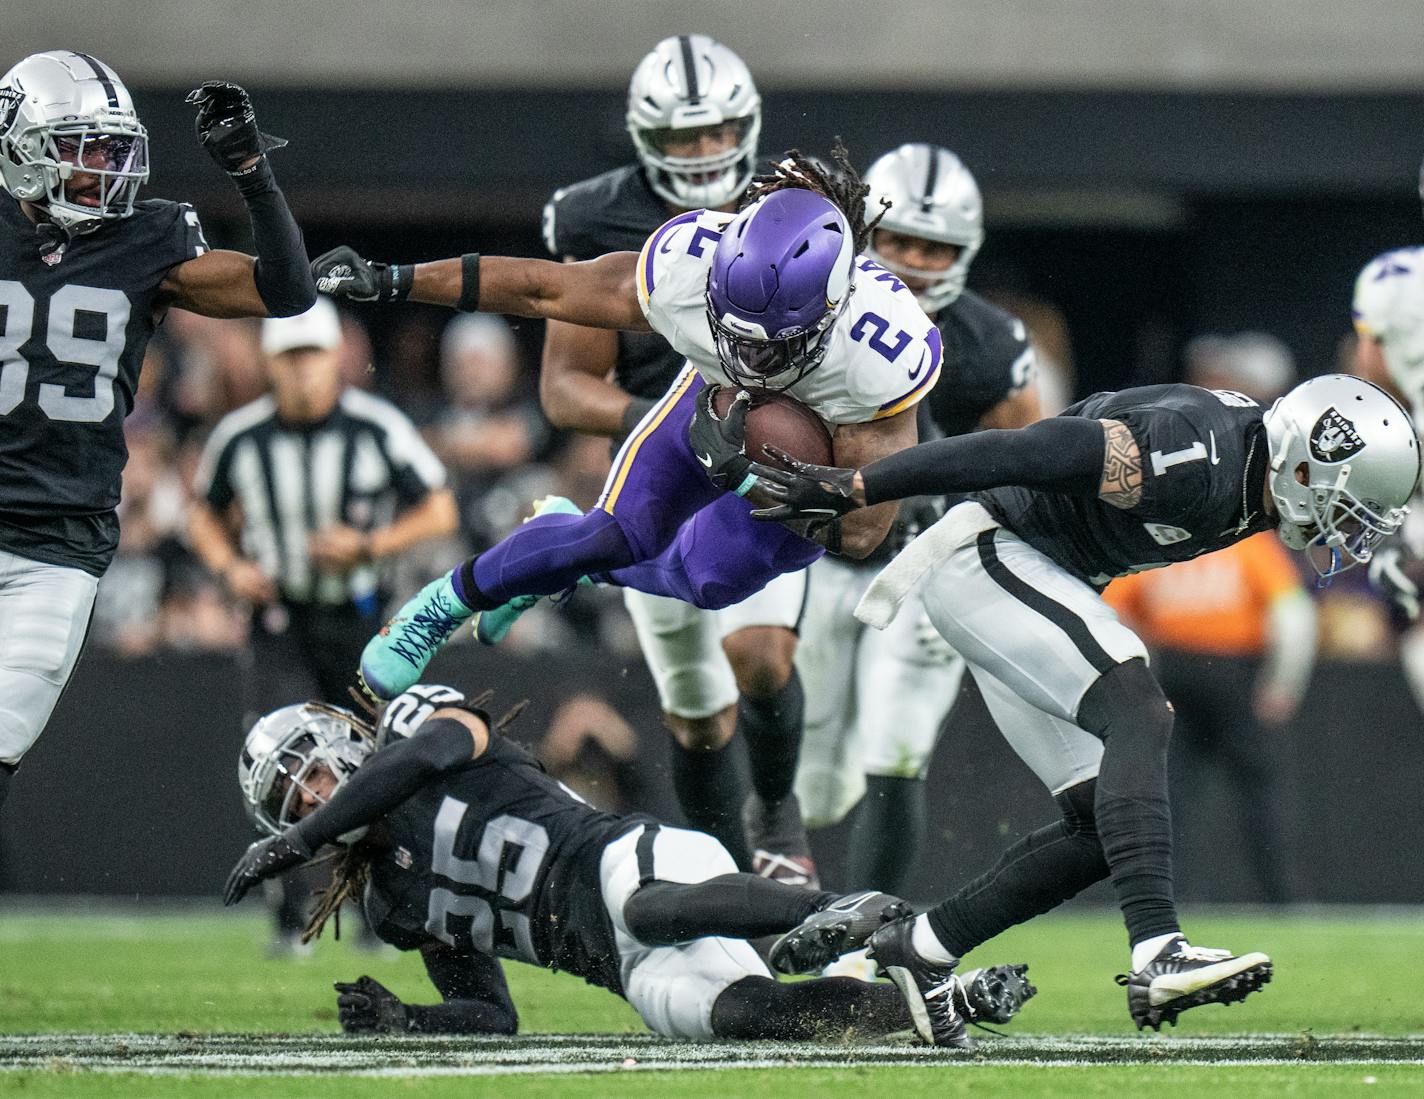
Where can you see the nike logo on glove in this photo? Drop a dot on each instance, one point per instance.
(706, 460)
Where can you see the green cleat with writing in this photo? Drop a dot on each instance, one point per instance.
(396, 657)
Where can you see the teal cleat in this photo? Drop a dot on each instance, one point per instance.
(396, 657)
(492, 626)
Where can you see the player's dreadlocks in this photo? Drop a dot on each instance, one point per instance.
(351, 869)
(839, 182)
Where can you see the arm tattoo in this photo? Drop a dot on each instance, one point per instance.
(1122, 467)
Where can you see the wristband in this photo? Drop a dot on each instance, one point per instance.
(402, 279)
(747, 485)
(255, 180)
(469, 283)
(638, 407)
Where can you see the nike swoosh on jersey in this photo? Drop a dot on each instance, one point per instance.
(924, 357)
(1214, 459)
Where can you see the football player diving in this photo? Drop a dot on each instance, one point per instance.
(777, 296)
(694, 115)
(87, 273)
(1010, 577)
(468, 852)
(877, 699)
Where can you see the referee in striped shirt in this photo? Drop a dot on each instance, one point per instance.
(299, 497)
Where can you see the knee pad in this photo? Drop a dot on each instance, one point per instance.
(1127, 698)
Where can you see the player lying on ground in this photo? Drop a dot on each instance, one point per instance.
(775, 296)
(1117, 483)
(469, 852)
(86, 276)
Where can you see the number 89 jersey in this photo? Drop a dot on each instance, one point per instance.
(74, 325)
(883, 355)
(496, 858)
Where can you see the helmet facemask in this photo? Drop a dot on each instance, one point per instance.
(282, 755)
(39, 163)
(771, 362)
(694, 182)
(1333, 527)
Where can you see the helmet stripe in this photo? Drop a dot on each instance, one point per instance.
(102, 74)
(690, 65)
(931, 179)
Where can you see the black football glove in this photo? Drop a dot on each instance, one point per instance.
(366, 1006)
(1387, 574)
(803, 491)
(721, 444)
(265, 859)
(343, 273)
(227, 127)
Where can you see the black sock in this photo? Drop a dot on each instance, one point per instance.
(762, 1008)
(1127, 710)
(7, 771)
(885, 836)
(462, 579)
(731, 906)
(709, 789)
(1040, 871)
(772, 729)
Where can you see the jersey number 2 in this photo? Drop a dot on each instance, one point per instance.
(507, 865)
(65, 307)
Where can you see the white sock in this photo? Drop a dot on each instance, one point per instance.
(927, 944)
(1147, 949)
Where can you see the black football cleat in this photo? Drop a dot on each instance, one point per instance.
(1183, 976)
(841, 927)
(994, 994)
(930, 990)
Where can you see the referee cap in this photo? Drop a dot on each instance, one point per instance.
(319, 326)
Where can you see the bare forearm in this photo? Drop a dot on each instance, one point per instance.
(212, 542)
(577, 401)
(597, 294)
(433, 517)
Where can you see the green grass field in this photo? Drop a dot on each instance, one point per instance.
(98, 1004)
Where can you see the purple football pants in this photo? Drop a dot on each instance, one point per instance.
(660, 526)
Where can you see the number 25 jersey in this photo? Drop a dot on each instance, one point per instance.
(73, 329)
(883, 354)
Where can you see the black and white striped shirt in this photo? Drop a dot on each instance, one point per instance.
(358, 466)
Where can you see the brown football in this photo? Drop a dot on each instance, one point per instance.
(782, 421)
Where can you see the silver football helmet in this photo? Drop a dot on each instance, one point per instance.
(1344, 459)
(282, 750)
(932, 195)
(66, 116)
(688, 82)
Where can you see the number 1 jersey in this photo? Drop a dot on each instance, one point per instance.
(73, 329)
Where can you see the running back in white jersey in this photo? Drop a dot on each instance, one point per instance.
(1389, 307)
(882, 357)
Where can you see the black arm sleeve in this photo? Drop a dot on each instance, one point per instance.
(283, 273)
(1062, 454)
(391, 775)
(476, 997)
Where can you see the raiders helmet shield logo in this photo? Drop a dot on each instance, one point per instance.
(10, 101)
(1334, 438)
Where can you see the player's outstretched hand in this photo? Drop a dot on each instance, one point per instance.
(344, 273)
(366, 1006)
(720, 442)
(1387, 574)
(804, 491)
(264, 859)
(227, 126)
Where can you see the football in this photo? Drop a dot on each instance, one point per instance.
(782, 421)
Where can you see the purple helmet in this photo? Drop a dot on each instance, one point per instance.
(780, 276)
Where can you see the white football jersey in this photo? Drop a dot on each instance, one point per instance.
(1389, 307)
(883, 354)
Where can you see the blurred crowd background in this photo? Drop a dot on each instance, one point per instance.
(1174, 191)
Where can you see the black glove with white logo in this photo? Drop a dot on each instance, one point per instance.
(720, 443)
(227, 129)
(265, 859)
(344, 273)
(804, 491)
(1387, 574)
(365, 1006)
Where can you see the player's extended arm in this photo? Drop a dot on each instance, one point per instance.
(449, 739)
(1063, 454)
(476, 999)
(229, 284)
(596, 293)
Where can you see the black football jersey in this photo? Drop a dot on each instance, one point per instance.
(616, 212)
(73, 329)
(1204, 461)
(498, 858)
(986, 358)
